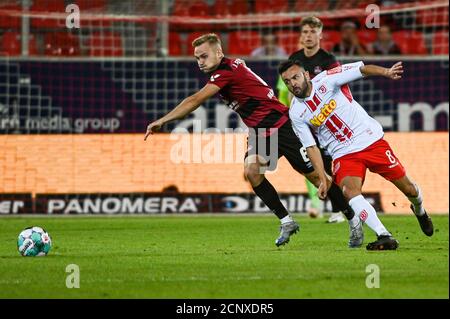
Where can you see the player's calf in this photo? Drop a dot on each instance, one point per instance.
(252, 170)
(414, 194)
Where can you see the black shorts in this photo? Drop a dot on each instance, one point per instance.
(283, 142)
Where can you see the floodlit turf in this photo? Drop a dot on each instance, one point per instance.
(220, 257)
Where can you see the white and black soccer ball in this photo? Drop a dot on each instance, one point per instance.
(34, 241)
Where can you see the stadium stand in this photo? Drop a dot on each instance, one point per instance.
(61, 44)
(230, 7)
(440, 43)
(418, 28)
(243, 42)
(11, 44)
(410, 42)
(271, 6)
(8, 21)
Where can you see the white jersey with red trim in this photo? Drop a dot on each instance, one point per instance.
(340, 123)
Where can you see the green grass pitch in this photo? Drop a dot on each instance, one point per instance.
(220, 257)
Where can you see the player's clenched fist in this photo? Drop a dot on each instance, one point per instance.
(323, 189)
(153, 127)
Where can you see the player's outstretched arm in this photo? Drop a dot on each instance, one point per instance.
(317, 162)
(395, 72)
(187, 106)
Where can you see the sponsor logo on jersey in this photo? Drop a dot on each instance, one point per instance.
(335, 70)
(214, 77)
(323, 89)
(325, 111)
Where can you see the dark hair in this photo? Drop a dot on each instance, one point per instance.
(287, 64)
(313, 22)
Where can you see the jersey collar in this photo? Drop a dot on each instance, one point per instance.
(312, 92)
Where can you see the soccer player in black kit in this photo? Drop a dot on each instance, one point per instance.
(267, 119)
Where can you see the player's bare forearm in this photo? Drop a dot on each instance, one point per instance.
(191, 103)
(316, 159)
(373, 70)
(187, 106)
(394, 73)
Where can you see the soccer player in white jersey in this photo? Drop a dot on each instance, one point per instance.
(324, 107)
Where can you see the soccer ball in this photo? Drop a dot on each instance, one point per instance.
(34, 241)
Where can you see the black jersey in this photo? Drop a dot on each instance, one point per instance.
(321, 61)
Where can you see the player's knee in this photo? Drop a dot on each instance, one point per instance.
(350, 192)
(253, 174)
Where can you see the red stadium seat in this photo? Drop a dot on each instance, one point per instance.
(8, 21)
(243, 42)
(434, 17)
(366, 36)
(410, 42)
(289, 40)
(105, 44)
(343, 4)
(238, 7)
(230, 7)
(48, 6)
(196, 8)
(440, 43)
(310, 5)
(329, 39)
(271, 6)
(199, 9)
(221, 8)
(98, 5)
(192, 9)
(11, 44)
(180, 8)
(175, 44)
(61, 44)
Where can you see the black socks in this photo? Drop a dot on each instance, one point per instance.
(339, 201)
(269, 196)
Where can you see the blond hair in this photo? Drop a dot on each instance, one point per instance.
(211, 38)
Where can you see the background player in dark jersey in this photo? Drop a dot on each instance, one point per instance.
(248, 95)
(315, 60)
